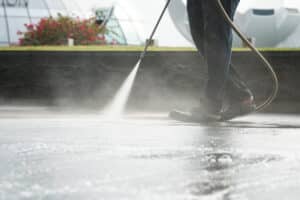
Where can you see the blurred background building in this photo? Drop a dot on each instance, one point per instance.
(15, 13)
(269, 23)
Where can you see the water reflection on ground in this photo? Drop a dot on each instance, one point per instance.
(45, 155)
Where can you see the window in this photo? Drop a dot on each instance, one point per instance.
(55, 13)
(116, 33)
(55, 4)
(263, 12)
(3, 32)
(36, 20)
(37, 4)
(1, 11)
(16, 24)
(18, 12)
(38, 13)
(56, 7)
(38, 8)
(131, 32)
(72, 6)
(21, 12)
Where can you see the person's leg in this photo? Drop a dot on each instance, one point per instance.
(213, 38)
(239, 99)
(195, 14)
(236, 89)
(197, 26)
(217, 45)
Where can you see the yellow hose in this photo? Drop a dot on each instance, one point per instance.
(274, 93)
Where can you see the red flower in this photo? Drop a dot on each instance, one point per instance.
(50, 31)
(21, 41)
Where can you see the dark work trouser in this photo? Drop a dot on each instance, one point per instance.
(213, 38)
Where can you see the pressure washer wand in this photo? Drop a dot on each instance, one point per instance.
(116, 108)
(148, 42)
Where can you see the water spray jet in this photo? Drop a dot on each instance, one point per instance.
(116, 109)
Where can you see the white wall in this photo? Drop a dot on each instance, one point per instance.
(145, 13)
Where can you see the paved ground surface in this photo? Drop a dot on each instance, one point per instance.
(65, 156)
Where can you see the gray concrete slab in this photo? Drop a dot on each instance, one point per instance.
(49, 155)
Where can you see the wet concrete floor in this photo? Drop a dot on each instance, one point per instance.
(83, 156)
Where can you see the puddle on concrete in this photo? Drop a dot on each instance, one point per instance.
(84, 158)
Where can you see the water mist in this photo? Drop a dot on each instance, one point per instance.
(117, 107)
